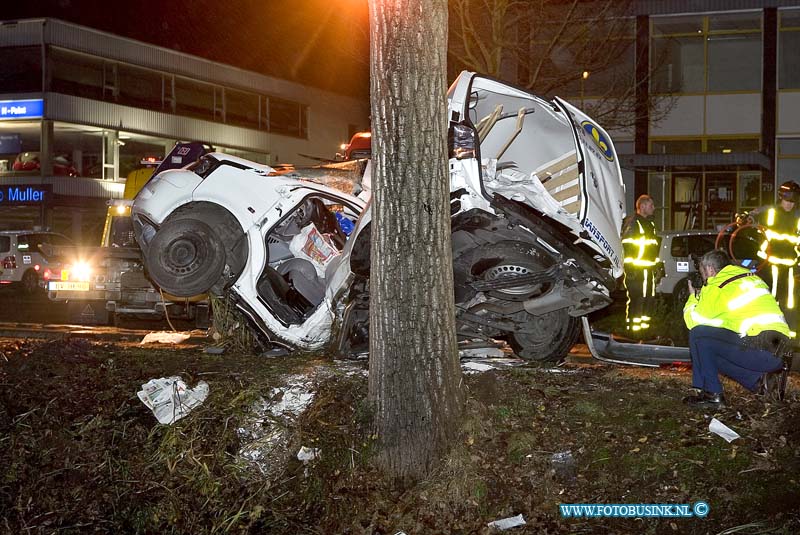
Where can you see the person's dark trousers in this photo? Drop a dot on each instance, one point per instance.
(634, 282)
(715, 350)
(781, 291)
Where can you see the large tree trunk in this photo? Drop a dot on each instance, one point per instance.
(414, 373)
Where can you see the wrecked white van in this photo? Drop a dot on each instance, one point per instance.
(536, 203)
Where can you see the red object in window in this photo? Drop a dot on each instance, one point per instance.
(29, 161)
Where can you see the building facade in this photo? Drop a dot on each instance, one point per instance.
(714, 126)
(80, 109)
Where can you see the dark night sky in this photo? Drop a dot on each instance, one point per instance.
(320, 42)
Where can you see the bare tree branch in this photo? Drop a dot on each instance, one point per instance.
(578, 49)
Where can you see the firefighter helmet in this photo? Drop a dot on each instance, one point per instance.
(789, 191)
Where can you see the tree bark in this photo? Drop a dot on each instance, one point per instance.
(414, 376)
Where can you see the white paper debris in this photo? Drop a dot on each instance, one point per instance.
(722, 430)
(481, 352)
(294, 398)
(170, 399)
(308, 454)
(507, 523)
(164, 338)
(476, 366)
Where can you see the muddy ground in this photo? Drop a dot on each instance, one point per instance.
(80, 453)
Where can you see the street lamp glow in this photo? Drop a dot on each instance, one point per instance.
(585, 74)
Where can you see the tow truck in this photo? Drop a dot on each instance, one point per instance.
(100, 284)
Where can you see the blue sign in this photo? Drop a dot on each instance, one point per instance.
(24, 194)
(21, 109)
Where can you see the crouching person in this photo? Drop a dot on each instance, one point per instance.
(735, 328)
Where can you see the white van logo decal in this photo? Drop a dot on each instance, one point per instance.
(599, 140)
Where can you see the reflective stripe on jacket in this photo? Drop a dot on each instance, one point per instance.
(744, 306)
(782, 236)
(639, 242)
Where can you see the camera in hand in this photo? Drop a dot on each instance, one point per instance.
(695, 277)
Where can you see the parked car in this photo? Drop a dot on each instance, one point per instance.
(29, 161)
(536, 197)
(101, 284)
(679, 248)
(25, 258)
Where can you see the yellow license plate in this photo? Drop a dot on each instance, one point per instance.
(67, 285)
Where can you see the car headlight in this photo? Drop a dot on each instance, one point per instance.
(81, 271)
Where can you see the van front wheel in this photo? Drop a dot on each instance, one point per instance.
(186, 257)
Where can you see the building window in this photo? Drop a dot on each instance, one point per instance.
(241, 109)
(617, 76)
(734, 62)
(287, 117)
(76, 74)
(194, 99)
(678, 65)
(788, 46)
(22, 69)
(575, 62)
(728, 145)
(139, 87)
(698, 54)
(89, 77)
(788, 160)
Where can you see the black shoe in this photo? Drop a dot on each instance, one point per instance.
(706, 400)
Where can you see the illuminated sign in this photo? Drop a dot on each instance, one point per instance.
(24, 194)
(21, 109)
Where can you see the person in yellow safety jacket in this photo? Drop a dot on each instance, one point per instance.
(780, 248)
(735, 328)
(640, 245)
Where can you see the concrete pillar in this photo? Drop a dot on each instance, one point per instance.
(110, 154)
(77, 160)
(46, 149)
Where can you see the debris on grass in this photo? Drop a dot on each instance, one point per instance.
(476, 367)
(171, 399)
(481, 352)
(306, 455)
(264, 432)
(718, 428)
(69, 461)
(507, 523)
(165, 337)
(564, 466)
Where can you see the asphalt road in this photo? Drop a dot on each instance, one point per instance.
(16, 307)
